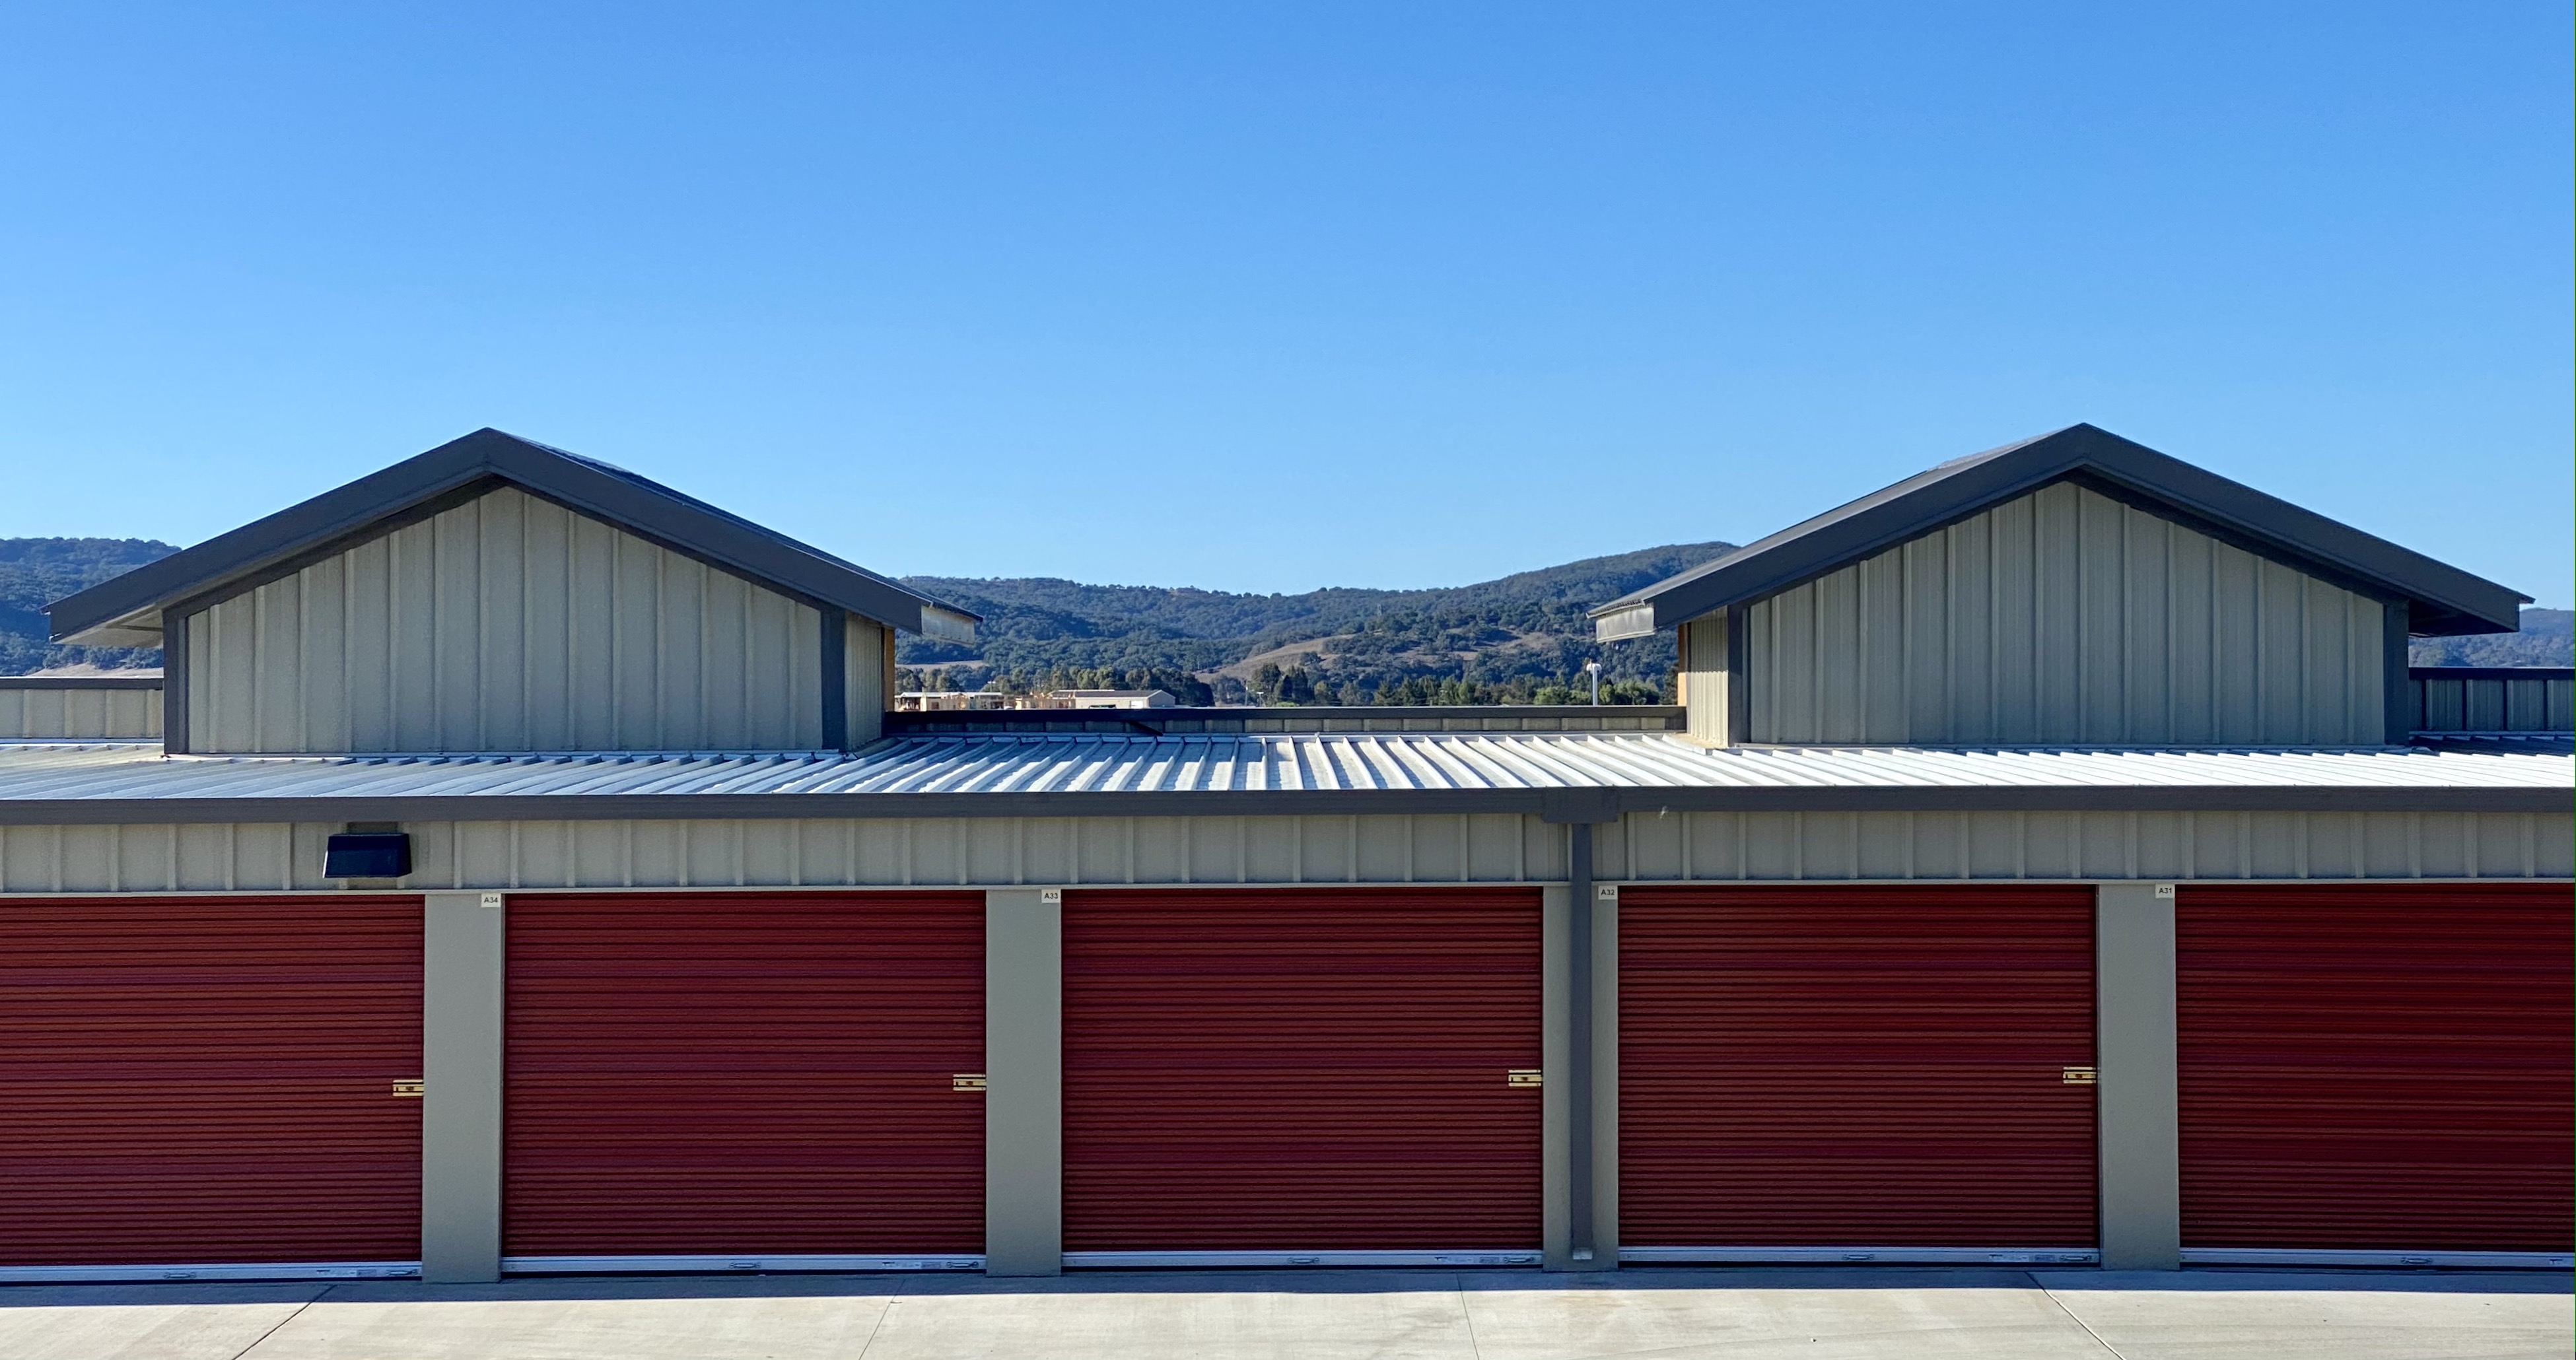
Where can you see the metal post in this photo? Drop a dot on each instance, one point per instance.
(463, 949)
(1578, 1086)
(1602, 1080)
(1024, 1081)
(1579, 1016)
(2137, 1098)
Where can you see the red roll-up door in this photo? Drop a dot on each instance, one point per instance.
(2381, 1068)
(1871, 1069)
(745, 1075)
(1301, 1071)
(210, 1082)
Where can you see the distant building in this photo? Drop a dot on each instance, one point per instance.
(953, 701)
(948, 700)
(1108, 698)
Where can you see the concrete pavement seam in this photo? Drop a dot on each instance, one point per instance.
(2060, 1304)
(901, 1283)
(299, 1312)
(1467, 1315)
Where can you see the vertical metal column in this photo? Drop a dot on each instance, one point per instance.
(1556, 1063)
(2136, 1048)
(1578, 1006)
(1024, 1081)
(1603, 1117)
(1580, 1142)
(463, 952)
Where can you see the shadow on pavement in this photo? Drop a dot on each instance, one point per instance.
(1324, 1282)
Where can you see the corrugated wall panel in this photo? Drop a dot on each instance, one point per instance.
(2377, 1068)
(863, 678)
(1880, 1067)
(72, 712)
(744, 1073)
(209, 1081)
(1309, 1072)
(1703, 671)
(2542, 702)
(506, 624)
(960, 852)
(2065, 616)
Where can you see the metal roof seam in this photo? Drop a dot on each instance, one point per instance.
(1456, 762)
(1359, 764)
(1375, 761)
(1520, 747)
(1085, 764)
(1478, 758)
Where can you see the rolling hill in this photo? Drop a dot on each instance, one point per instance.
(1495, 641)
(1517, 639)
(35, 572)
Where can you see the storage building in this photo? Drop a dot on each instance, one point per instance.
(516, 870)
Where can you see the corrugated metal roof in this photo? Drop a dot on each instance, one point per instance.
(1078, 765)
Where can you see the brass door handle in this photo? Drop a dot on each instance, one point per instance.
(966, 1081)
(1522, 1078)
(2078, 1076)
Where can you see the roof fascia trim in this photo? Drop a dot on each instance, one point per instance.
(220, 566)
(2450, 600)
(2388, 570)
(335, 514)
(715, 536)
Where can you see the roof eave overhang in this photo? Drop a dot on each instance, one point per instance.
(126, 611)
(2442, 600)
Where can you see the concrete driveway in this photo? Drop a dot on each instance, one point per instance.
(1670, 1314)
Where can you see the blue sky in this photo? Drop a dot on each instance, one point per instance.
(1269, 297)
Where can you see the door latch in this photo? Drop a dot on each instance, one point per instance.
(2077, 1076)
(1522, 1078)
(966, 1081)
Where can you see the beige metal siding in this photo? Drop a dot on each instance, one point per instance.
(506, 624)
(1645, 847)
(2066, 617)
(80, 713)
(1703, 678)
(863, 672)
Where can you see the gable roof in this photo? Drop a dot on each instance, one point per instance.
(2441, 599)
(126, 610)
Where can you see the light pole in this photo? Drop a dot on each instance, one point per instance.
(1593, 669)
